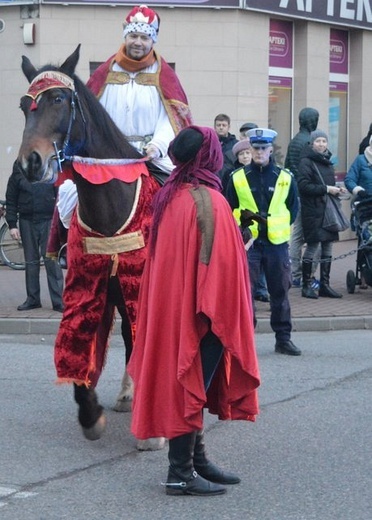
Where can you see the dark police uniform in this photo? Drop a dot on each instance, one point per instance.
(271, 192)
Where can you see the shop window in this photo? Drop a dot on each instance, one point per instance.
(280, 85)
(337, 121)
(338, 98)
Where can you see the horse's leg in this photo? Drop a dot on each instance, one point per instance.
(91, 416)
(125, 397)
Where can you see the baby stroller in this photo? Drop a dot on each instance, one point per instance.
(361, 223)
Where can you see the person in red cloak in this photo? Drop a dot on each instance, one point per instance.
(194, 346)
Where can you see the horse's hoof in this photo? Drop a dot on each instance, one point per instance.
(151, 444)
(123, 405)
(95, 432)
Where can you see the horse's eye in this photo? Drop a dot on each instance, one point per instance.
(58, 100)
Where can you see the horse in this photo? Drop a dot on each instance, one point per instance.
(67, 129)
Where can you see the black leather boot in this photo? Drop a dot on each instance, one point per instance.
(207, 469)
(307, 290)
(182, 477)
(324, 288)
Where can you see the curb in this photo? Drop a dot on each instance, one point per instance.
(321, 324)
(317, 324)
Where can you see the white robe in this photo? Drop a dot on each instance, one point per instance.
(138, 111)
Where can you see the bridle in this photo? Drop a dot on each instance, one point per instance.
(48, 80)
(60, 155)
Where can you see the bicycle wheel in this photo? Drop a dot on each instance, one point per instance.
(11, 251)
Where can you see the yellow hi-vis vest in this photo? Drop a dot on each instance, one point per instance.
(279, 217)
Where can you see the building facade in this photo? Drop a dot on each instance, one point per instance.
(255, 60)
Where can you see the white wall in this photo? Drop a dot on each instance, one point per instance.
(221, 58)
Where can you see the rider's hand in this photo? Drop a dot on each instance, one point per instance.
(152, 151)
(15, 234)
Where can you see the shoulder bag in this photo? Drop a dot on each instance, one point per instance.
(334, 219)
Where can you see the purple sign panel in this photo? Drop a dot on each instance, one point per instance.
(280, 45)
(339, 52)
(279, 82)
(335, 86)
(179, 3)
(349, 13)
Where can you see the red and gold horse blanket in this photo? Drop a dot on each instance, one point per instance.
(82, 339)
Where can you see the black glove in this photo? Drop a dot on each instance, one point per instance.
(362, 194)
(245, 218)
(246, 234)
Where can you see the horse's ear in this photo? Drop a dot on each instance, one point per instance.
(28, 69)
(68, 67)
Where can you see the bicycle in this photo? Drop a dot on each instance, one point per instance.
(11, 251)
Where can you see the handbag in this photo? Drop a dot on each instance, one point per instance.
(334, 219)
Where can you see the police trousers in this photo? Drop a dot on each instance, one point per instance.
(275, 262)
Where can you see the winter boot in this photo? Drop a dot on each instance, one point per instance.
(325, 289)
(307, 289)
(182, 477)
(207, 469)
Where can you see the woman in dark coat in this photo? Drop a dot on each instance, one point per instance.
(316, 178)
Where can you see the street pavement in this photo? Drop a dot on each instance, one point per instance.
(307, 457)
(353, 311)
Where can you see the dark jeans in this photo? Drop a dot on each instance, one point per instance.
(34, 235)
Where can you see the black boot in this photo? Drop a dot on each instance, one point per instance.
(182, 477)
(307, 290)
(324, 288)
(207, 469)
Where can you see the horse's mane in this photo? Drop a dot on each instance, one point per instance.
(99, 123)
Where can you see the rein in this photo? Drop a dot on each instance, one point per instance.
(54, 79)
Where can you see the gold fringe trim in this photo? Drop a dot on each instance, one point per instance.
(71, 380)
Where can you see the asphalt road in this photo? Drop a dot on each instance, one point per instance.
(308, 456)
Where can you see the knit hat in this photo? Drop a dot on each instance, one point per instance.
(186, 144)
(317, 133)
(238, 147)
(142, 19)
(247, 126)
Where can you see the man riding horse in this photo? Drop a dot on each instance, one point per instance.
(145, 99)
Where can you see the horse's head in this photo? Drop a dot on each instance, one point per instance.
(49, 109)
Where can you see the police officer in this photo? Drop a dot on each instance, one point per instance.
(269, 191)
